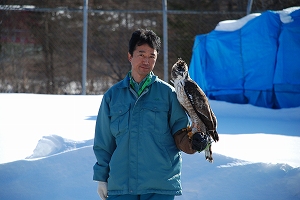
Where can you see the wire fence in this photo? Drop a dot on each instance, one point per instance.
(41, 41)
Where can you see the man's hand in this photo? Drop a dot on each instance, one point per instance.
(102, 190)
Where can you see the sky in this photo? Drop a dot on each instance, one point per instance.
(46, 151)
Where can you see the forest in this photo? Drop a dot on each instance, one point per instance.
(41, 41)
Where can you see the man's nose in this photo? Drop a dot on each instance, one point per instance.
(146, 60)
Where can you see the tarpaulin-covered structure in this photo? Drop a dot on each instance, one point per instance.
(253, 60)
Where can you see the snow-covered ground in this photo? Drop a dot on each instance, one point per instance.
(46, 151)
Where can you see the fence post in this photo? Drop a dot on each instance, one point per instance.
(84, 46)
(165, 38)
(249, 6)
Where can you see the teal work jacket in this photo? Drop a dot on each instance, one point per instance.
(133, 144)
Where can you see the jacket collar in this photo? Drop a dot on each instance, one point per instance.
(125, 83)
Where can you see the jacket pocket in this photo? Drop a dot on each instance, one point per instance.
(155, 117)
(119, 115)
(156, 122)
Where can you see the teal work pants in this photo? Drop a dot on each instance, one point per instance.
(151, 196)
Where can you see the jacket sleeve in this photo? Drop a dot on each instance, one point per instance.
(104, 143)
(178, 117)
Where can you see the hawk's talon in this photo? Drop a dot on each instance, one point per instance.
(190, 134)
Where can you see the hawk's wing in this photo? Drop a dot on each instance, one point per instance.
(200, 104)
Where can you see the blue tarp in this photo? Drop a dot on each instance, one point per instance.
(258, 63)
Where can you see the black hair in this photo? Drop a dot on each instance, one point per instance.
(144, 36)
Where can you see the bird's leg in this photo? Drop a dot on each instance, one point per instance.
(192, 130)
(195, 128)
(208, 153)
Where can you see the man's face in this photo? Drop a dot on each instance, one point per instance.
(142, 61)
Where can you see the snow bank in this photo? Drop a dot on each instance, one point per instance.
(54, 144)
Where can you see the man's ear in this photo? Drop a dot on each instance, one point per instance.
(129, 56)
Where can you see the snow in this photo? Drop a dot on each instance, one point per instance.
(285, 14)
(233, 25)
(46, 151)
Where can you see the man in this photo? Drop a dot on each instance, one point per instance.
(136, 154)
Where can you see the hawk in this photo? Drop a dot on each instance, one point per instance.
(194, 101)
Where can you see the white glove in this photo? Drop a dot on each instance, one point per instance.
(102, 190)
